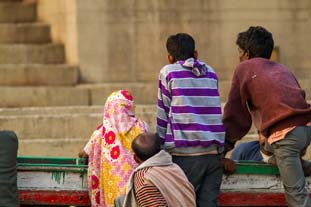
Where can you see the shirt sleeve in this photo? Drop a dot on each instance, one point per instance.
(146, 193)
(87, 147)
(146, 126)
(164, 103)
(237, 119)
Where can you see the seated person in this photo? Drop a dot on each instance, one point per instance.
(8, 171)
(247, 151)
(157, 181)
(257, 151)
(109, 150)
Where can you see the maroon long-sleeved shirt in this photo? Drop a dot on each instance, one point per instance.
(268, 92)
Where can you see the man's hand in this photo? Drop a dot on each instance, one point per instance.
(83, 154)
(228, 146)
(228, 165)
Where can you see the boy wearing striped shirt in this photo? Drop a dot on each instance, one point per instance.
(189, 117)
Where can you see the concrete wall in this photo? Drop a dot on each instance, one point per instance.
(62, 15)
(121, 40)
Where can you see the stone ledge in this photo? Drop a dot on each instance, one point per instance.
(25, 33)
(34, 53)
(16, 11)
(38, 75)
(144, 93)
(43, 96)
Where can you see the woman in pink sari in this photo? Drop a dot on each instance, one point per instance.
(109, 150)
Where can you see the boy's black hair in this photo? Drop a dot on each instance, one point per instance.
(257, 41)
(180, 46)
(146, 145)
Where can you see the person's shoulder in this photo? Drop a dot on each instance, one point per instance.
(7, 133)
(257, 61)
(169, 68)
(244, 67)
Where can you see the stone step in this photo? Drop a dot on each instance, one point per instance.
(45, 147)
(69, 147)
(29, 96)
(25, 53)
(144, 93)
(55, 110)
(70, 122)
(91, 94)
(16, 11)
(55, 123)
(38, 74)
(62, 131)
(43, 96)
(25, 33)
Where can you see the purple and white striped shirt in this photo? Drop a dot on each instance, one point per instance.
(189, 106)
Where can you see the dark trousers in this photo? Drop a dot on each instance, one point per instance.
(8, 172)
(287, 154)
(205, 173)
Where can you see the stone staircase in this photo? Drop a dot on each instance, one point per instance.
(33, 73)
(41, 98)
(32, 68)
(40, 95)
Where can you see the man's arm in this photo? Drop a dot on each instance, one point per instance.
(237, 119)
(164, 103)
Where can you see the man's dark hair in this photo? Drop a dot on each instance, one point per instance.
(180, 46)
(257, 41)
(146, 145)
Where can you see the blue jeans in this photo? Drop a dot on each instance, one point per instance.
(287, 154)
(205, 174)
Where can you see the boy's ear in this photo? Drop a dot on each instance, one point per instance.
(137, 159)
(195, 54)
(170, 59)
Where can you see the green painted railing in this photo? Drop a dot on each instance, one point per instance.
(23, 161)
(251, 167)
(243, 167)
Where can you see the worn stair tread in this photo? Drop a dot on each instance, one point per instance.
(17, 11)
(43, 96)
(24, 33)
(143, 92)
(32, 53)
(64, 147)
(66, 110)
(38, 74)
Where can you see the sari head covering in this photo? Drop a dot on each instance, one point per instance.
(111, 159)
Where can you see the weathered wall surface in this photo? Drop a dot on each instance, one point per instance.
(62, 15)
(124, 40)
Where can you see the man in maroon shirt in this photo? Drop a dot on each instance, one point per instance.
(268, 93)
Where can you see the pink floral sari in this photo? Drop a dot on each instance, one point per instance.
(110, 155)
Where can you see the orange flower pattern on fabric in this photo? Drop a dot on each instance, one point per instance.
(95, 181)
(97, 197)
(127, 95)
(115, 152)
(110, 137)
